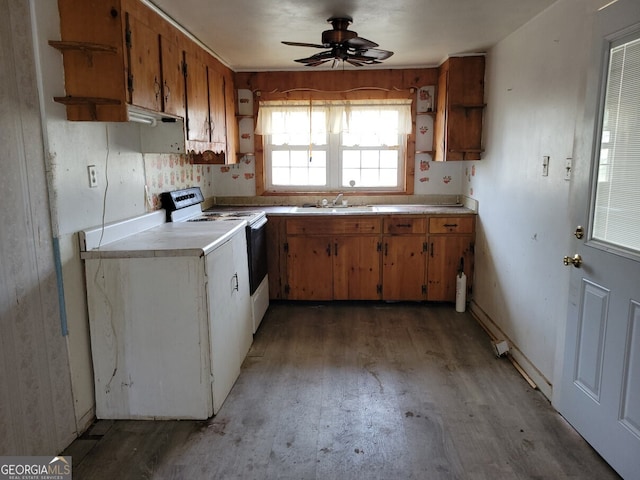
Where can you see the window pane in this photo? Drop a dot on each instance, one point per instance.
(280, 176)
(351, 174)
(389, 159)
(370, 159)
(617, 205)
(280, 159)
(369, 153)
(351, 159)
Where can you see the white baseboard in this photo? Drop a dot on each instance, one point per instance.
(529, 368)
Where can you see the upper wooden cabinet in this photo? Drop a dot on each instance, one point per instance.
(173, 97)
(460, 109)
(118, 54)
(197, 88)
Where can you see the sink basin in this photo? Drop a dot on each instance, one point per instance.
(340, 210)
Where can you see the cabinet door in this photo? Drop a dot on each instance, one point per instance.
(223, 334)
(197, 104)
(403, 268)
(309, 268)
(172, 77)
(217, 109)
(356, 268)
(144, 66)
(445, 252)
(241, 296)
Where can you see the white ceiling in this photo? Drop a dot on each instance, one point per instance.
(246, 34)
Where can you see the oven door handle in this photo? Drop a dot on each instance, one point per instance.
(259, 224)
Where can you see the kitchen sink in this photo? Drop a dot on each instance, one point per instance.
(337, 210)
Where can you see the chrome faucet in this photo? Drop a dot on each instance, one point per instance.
(335, 200)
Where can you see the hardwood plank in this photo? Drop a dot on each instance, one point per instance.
(361, 390)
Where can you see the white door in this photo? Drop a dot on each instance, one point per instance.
(600, 389)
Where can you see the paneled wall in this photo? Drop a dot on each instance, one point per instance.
(36, 403)
(336, 85)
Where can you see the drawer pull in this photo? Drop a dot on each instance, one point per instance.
(431, 249)
(403, 225)
(328, 250)
(450, 225)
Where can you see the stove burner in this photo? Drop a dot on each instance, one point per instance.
(209, 218)
(230, 214)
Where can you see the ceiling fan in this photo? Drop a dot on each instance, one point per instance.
(344, 45)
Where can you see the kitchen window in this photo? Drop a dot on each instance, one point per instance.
(323, 146)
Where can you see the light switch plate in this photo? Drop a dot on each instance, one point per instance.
(567, 168)
(93, 176)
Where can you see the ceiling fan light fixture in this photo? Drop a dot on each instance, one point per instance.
(344, 45)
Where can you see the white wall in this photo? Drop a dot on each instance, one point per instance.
(534, 91)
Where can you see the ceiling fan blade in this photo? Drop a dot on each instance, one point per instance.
(300, 44)
(360, 43)
(315, 64)
(355, 63)
(375, 53)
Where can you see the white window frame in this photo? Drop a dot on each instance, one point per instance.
(334, 170)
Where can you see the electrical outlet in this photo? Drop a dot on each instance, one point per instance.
(545, 166)
(93, 176)
(567, 168)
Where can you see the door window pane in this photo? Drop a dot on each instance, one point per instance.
(616, 217)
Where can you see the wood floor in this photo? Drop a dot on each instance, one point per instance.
(357, 391)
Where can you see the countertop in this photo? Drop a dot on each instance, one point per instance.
(395, 209)
(170, 240)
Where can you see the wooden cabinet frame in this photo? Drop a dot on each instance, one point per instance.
(399, 257)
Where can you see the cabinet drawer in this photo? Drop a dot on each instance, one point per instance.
(404, 224)
(452, 224)
(328, 225)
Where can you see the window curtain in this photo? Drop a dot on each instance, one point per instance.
(337, 116)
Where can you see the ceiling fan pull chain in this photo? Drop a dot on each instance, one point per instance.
(310, 131)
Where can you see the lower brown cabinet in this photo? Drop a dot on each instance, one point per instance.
(450, 243)
(395, 258)
(333, 259)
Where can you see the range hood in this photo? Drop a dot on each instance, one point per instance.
(159, 132)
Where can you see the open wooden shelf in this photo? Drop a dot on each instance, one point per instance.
(84, 47)
(69, 100)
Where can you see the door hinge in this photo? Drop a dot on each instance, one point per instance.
(379, 289)
(130, 83)
(425, 247)
(379, 247)
(424, 289)
(286, 247)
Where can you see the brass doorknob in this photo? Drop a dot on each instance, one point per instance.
(576, 261)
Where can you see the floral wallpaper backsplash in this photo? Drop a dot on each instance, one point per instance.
(164, 173)
(437, 178)
(235, 180)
